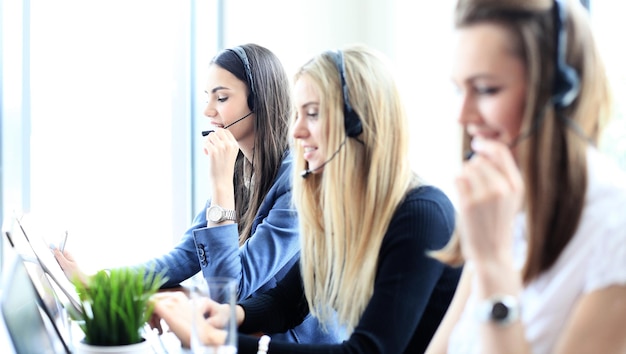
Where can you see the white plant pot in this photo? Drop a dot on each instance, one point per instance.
(138, 348)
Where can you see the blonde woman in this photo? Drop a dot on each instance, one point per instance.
(366, 221)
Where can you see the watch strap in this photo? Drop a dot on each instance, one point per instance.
(228, 214)
(224, 214)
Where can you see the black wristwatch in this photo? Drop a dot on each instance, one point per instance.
(499, 309)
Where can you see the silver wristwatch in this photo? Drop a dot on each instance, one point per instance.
(499, 309)
(216, 214)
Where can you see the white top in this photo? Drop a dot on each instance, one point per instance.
(595, 258)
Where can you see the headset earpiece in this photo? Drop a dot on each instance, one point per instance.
(566, 81)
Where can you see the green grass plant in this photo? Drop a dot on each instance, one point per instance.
(115, 305)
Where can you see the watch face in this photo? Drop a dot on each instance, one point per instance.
(215, 214)
(499, 311)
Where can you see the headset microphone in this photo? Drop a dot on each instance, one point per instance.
(207, 132)
(238, 120)
(308, 172)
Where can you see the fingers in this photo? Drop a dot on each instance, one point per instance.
(482, 180)
(168, 299)
(70, 266)
(219, 314)
(64, 258)
(220, 142)
(168, 304)
(490, 188)
(155, 322)
(210, 335)
(174, 308)
(490, 173)
(499, 157)
(64, 261)
(221, 149)
(205, 313)
(67, 254)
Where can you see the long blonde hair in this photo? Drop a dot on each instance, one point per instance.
(553, 158)
(345, 211)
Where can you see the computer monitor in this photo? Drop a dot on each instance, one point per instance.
(32, 321)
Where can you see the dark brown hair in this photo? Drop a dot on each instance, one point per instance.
(272, 107)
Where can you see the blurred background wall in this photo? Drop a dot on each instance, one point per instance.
(102, 102)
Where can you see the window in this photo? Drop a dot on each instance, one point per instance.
(102, 102)
(608, 24)
(105, 113)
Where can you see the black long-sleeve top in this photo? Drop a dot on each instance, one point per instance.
(411, 291)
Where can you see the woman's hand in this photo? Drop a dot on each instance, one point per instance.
(175, 309)
(70, 266)
(222, 149)
(491, 191)
(178, 311)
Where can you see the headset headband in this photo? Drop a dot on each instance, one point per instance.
(352, 122)
(566, 81)
(241, 53)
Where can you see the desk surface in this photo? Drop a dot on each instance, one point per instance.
(168, 343)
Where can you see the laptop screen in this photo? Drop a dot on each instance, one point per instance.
(26, 316)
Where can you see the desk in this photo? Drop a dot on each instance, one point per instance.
(169, 343)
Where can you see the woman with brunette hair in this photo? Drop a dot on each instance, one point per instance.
(541, 226)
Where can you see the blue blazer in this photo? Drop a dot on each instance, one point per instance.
(258, 264)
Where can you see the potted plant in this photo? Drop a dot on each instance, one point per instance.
(114, 306)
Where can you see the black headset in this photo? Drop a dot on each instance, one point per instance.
(352, 121)
(241, 53)
(566, 81)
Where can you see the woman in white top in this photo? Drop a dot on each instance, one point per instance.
(542, 214)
